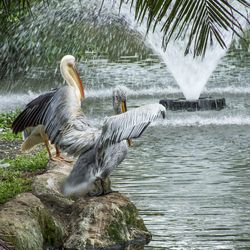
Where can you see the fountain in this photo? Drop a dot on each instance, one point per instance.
(39, 42)
(191, 74)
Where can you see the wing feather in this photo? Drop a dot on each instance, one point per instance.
(127, 126)
(33, 113)
(130, 124)
(64, 123)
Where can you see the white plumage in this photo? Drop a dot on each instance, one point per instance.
(99, 150)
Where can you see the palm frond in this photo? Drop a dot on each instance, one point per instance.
(203, 21)
(7, 6)
(11, 7)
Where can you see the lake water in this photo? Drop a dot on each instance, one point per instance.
(189, 175)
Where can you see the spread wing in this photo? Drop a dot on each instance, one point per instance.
(109, 150)
(127, 125)
(60, 113)
(33, 113)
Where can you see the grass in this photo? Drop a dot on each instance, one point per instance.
(17, 175)
(7, 135)
(13, 186)
(28, 163)
(6, 120)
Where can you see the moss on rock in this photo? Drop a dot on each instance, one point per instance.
(51, 229)
(106, 222)
(24, 223)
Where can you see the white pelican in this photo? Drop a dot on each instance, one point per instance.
(99, 150)
(106, 148)
(33, 131)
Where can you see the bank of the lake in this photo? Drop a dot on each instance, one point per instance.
(35, 215)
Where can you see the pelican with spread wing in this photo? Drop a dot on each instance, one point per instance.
(104, 149)
(30, 121)
(99, 151)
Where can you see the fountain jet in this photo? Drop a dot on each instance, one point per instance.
(191, 74)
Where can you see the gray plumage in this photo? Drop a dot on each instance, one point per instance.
(107, 147)
(44, 114)
(99, 150)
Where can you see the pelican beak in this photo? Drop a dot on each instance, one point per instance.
(124, 109)
(79, 83)
(124, 106)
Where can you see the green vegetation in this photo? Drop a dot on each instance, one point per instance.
(16, 174)
(6, 120)
(28, 163)
(199, 20)
(11, 184)
(7, 135)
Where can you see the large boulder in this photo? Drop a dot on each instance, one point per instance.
(47, 186)
(25, 223)
(105, 222)
(48, 220)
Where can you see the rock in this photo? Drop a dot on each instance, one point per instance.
(26, 224)
(47, 220)
(47, 186)
(106, 222)
(203, 103)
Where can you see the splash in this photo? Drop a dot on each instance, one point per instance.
(190, 74)
(79, 28)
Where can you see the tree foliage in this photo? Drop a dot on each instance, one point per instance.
(7, 7)
(201, 20)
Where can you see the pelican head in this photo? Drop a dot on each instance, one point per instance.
(119, 100)
(71, 75)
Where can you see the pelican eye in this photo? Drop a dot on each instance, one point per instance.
(71, 64)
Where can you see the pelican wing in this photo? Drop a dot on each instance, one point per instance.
(64, 123)
(127, 125)
(78, 137)
(33, 113)
(63, 110)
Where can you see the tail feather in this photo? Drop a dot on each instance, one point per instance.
(81, 188)
(82, 175)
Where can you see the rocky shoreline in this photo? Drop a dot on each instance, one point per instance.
(45, 219)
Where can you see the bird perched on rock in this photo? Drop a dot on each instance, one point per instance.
(99, 151)
(30, 121)
(106, 148)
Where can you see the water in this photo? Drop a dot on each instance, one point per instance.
(192, 186)
(191, 74)
(189, 175)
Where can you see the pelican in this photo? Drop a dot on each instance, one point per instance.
(107, 147)
(33, 130)
(99, 150)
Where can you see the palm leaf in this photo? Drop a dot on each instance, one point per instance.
(7, 6)
(204, 19)
(10, 7)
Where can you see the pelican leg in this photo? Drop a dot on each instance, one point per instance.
(58, 156)
(46, 142)
(58, 153)
(102, 188)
